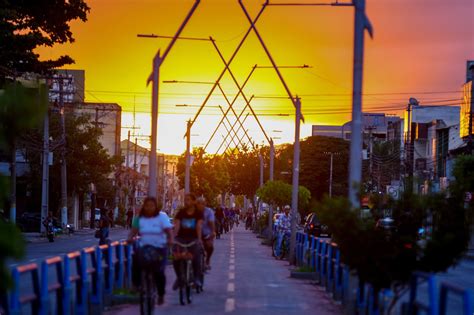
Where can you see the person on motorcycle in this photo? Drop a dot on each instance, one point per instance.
(48, 223)
(284, 226)
(188, 229)
(156, 234)
(208, 230)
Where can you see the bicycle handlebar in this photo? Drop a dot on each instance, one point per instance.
(185, 245)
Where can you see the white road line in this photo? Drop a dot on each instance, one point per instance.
(231, 275)
(230, 287)
(231, 261)
(32, 260)
(89, 240)
(232, 256)
(229, 305)
(232, 267)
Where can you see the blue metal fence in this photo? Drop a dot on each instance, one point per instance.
(98, 271)
(323, 257)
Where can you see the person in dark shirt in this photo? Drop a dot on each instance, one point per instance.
(188, 229)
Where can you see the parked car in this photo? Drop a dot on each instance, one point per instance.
(30, 222)
(312, 226)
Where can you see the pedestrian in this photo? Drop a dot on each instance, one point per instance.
(129, 218)
(104, 226)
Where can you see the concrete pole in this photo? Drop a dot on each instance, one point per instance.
(260, 157)
(187, 171)
(270, 210)
(295, 183)
(63, 156)
(152, 191)
(134, 183)
(355, 163)
(330, 175)
(127, 171)
(165, 180)
(45, 179)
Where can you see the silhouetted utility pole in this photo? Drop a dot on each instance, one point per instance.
(64, 213)
(361, 23)
(187, 172)
(295, 182)
(155, 77)
(127, 170)
(45, 175)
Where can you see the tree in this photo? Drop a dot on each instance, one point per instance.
(278, 193)
(27, 25)
(88, 161)
(209, 176)
(21, 108)
(386, 258)
(315, 165)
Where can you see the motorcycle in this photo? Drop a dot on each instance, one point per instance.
(49, 230)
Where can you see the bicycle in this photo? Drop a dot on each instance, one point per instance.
(149, 256)
(186, 274)
(282, 252)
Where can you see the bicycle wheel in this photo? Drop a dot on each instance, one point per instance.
(284, 249)
(189, 280)
(275, 247)
(147, 301)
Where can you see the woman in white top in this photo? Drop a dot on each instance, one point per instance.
(155, 230)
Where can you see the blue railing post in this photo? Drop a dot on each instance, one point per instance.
(15, 306)
(304, 254)
(120, 265)
(128, 254)
(44, 292)
(97, 276)
(311, 253)
(67, 298)
(82, 306)
(468, 298)
(329, 266)
(433, 295)
(110, 271)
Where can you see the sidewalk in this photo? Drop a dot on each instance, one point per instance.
(246, 280)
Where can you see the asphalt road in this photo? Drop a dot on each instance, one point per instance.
(40, 249)
(245, 279)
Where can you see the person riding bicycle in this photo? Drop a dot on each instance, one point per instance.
(155, 230)
(283, 227)
(208, 230)
(220, 216)
(188, 229)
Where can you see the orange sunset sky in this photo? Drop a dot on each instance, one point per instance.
(419, 50)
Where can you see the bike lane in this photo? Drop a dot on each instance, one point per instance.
(245, 280)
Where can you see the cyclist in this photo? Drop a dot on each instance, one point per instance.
(220, 216)
(208, 230)
(155, 230)
(284, 227)
(188, 229)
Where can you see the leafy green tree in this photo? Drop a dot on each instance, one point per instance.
(27, 25)
(209, 176)
(21, 108)
(278, 193)
(315, 165)
(88, 161)
(386, 258)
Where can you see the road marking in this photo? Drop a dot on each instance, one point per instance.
(230, 287)
(232, 267)
(232, 256)
(231, 275)
(232, 261)
(229, 305)
(32, 260)
(89, 240)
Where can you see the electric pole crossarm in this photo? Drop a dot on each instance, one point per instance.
(239, 46)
